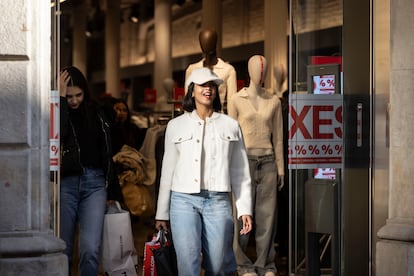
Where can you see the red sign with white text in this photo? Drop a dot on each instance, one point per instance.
(54, 131)
(315, 131)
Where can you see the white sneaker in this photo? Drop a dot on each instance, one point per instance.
(249, 274)
(270, 273)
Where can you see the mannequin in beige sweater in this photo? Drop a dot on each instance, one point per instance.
(208, 44)
(259, 114)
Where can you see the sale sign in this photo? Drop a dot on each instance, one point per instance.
(150, 95)
(54, 130)
(324, 84)
(315, 131)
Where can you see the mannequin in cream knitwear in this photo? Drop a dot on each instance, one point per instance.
(259, 114)
(254, 102)
(208, 44)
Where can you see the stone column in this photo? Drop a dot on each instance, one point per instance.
(163, 49)
(276, 22)
(112, 47)
(395, 249)
(212, 18)
(27, 243)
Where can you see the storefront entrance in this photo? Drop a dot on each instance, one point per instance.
(331, 128)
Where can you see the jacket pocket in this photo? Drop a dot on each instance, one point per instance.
(183, 137)
(226, 143)
(229, 137)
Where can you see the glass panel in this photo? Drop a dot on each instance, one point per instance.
(55, 13)
(315, 136)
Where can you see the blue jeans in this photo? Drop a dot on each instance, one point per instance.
(202, 229)
(83, 200)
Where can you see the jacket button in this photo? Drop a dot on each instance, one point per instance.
(198, 141)
(195, 180)
(196, 160)
(228, 137)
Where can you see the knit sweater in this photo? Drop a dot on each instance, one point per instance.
(262, 128)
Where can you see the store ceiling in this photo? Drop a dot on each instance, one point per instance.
(146, 6)
(142, 9)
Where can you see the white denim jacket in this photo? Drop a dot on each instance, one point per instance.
(181, 165)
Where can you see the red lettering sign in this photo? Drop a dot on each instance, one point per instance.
(315, 131)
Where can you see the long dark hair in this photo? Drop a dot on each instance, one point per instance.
(88, 107)
(79, 80)
(128, 119)
(189, 103)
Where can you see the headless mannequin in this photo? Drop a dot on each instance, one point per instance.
(208, 45)
(259, 114)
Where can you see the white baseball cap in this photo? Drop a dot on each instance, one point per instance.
(203, 75)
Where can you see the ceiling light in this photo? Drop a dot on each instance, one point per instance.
(134, 15)
(89, 29)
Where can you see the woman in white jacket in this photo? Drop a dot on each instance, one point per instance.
(204, 160)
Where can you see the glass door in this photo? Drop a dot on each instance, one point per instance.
(329, 137)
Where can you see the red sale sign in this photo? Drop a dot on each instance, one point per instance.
(54, 130)
(315, 131)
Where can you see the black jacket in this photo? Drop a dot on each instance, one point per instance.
(70, 149)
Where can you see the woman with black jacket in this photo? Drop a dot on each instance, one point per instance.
(87, 178)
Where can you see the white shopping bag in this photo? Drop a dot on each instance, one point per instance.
(119, 256)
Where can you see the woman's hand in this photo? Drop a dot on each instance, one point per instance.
(247, 224)
(161, 224)
(110, 202)
(64, 78)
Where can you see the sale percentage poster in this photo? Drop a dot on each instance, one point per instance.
(54, 131)
(315, 131)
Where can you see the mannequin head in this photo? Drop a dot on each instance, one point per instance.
(279, 73)
(208, 41)
(257, 67)
(168, 85)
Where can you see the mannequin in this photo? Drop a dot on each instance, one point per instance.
(208, 45)
(259, 114)
(168, 85)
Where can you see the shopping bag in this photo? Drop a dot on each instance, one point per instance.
(159, 256)
(148, 267)
(164, 256)
(119, 256)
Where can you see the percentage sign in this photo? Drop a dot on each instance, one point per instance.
(54, 149)
(331, 83)
(300, 149)
(314, 149)
(338, 149)
(327, 149)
